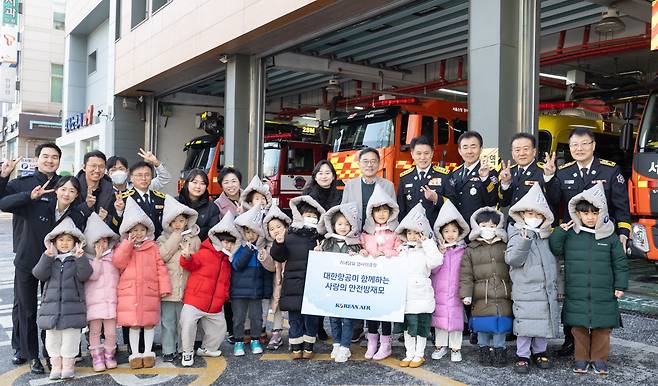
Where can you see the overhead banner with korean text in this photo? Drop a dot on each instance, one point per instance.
(355, 287)
(654, 25)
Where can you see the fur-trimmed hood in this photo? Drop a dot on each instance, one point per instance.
(173, 208)
(95, 230)
(297, 219)
(500, 229)
(448, 214)
(226, 225)
(352, 214)
(379, 198)
(252, 219)
(596, 196)
(415, 220)
(274, 213)
(536, 201)
(256, 185)
(66, 226)
(133, 214)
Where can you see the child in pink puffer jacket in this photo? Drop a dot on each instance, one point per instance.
(378, 239)
(101, 293)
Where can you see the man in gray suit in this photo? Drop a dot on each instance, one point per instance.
(359, 189)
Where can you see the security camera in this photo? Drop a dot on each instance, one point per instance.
(224, 58)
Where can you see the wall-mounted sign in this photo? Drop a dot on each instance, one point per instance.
(9, 44)
(10, 12)
(79, 120)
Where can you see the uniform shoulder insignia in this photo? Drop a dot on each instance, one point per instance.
(128, 193)
(404, 173)
(607, 163)
(158, 194)
(566, 165)
(440, 169)
(540, 165)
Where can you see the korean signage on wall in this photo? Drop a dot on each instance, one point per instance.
(79, 120)
(10, 12)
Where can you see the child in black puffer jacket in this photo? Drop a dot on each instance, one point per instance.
(293, 249)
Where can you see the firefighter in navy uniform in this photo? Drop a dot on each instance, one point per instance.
(475, 184)
(423, 183)
(579, 175)
(516, 180)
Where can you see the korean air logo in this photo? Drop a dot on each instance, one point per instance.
(654, 167)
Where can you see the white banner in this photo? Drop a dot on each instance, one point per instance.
(7, 84)
(9, 44)
(355, 287)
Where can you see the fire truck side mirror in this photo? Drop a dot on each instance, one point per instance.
(413, 127)
(626, 138)
(629, 110)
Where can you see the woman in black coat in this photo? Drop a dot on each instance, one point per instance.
(322, 186)
(41, 210)
(194, 194)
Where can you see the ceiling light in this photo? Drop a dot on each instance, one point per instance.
(610, 22)
(455, 92)
(551, 76)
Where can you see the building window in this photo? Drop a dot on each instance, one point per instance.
(58, 21)
(117, 21)
(91, 63)
(138, 13)
(56, 82)
(157, 4)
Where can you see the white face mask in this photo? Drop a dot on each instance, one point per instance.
(533, 222)
(488, 233)
(448, 245)
(119, 177)
(310, 222)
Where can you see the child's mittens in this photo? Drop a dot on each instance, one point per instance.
(467, 300)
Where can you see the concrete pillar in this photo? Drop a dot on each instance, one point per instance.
(236, 113)
(257, 86)
(503, 72)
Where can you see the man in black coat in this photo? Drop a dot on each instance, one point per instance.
(97, 191)
(423, 183)
(48, 158)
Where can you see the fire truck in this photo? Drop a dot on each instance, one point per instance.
(643, 184)
(388, 126)
(290, 153)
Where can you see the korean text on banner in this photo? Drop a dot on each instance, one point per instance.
(10, 12)
(355, 287)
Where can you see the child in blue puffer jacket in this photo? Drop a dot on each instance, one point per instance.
(251, 282)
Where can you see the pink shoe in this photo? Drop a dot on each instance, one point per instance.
(68, 368)
(372, 345)
(110, 360)
(55, 368)
(98, 358)
(384, 348)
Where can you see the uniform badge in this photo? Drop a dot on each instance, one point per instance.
(159, 206)
(530, 183)
(408, 197)
(408, 185)
(575, 174)
(415, 178)
(435, 181)
(593, 172)
(569, 182)
(620, 179)
(473, 191)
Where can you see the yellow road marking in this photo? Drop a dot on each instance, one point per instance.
(205, 375)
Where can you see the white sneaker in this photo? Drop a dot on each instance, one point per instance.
(188, 359)
(204, 352)
(456, 356)
(343, 355)
(334, 351)
(440, 353)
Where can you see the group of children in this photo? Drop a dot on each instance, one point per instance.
(258, 260)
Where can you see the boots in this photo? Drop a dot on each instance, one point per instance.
(372, 345)
(135, 361)
(98, 358)
(499, 357)
(110, 360)
(410, 345)
(148, 359)
(56, 369)
(308, 351)
(276, 341)
(484, 356)
(68, 368)
(296, 350)
(384, 351)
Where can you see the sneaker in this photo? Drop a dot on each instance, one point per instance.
(204, 352)
(440, 353)
(522, 366)
(334, 351)
(276, 341)
(255, 346)
(238, 349)
(542, 361)
(357, 335)
(188, 359)
(343, 355)
(580, 367)
(230, 339)
(455, 355)
(600, 367)
(168, 357)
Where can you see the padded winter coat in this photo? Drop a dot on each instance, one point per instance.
(144, 279)
(210, 277)
(249, 279)
(101, 289)
(449, 309)
(63, 300)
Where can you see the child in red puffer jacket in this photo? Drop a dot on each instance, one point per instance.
(207, 289)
